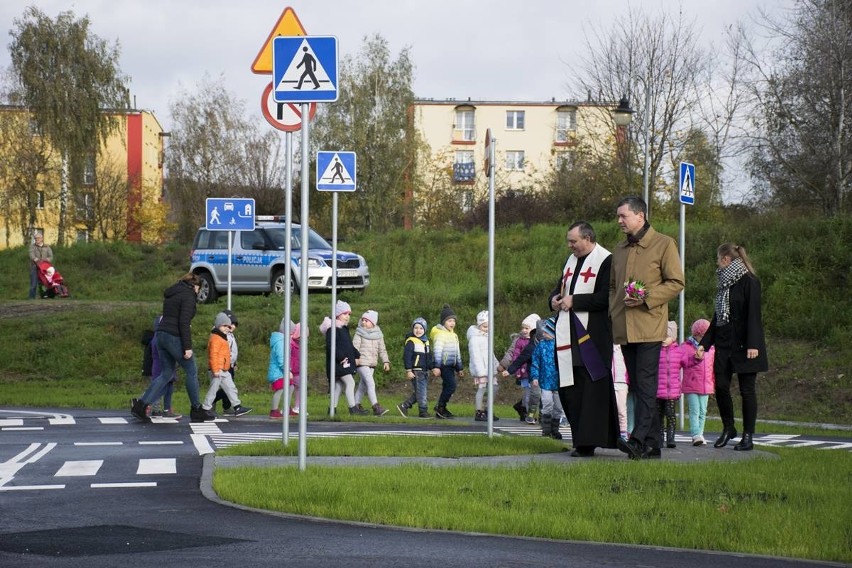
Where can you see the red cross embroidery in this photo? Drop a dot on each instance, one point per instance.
(587, 274)
(568, 274)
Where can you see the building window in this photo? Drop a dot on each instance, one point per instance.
(89, 171)
(82, 236)
(515, 119)
(566, 122)
(85, 207)
(466, 201)
(564, 160)
(464, 169)
(515, 160)
(39, 200)
(465, 128)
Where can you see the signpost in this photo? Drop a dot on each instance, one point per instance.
(230, 214)
(336, 171)
(687, 197)
(304, 69)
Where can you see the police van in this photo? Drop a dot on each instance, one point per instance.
(259, 266)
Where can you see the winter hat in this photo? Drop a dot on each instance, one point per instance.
(447, 313)
(221, 319)
(282, 327)
(482, 318)
(231, 315)
(296, 331)
(420, 321)
(530, 321)
(371, 315)
(671, 330)
(549, 326)
(341, 308)
(325, 325)
(700, 327)
(50, 271)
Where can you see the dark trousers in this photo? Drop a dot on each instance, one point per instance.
(643, 364)
(448, 385)
(748, 391)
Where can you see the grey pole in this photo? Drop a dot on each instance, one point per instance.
(303, 297)
(491, 318)
(333, 365)
(647, 169)
(682, 296)
(288, 254)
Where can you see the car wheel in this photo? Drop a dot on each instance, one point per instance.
(279, 283)
(207, 291)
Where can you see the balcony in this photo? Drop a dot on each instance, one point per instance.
(464, 173)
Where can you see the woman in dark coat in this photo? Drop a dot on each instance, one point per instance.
(737, 332)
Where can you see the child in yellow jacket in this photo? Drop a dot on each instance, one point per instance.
(218, 365)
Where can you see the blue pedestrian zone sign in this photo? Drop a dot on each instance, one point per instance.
(687, 183)
(336, 171)
(234, 214)
(304, 69)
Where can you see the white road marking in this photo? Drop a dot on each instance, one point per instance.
(202, 444)
(157, 466)
(9, 422)
(98, 443)
(23, 428)
(113, 420)
(79, 468)
(62, 420)
(31, 487)
(161, 443)
(122, 485)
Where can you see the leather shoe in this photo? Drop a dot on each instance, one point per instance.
(583, 453)
(745, 444)
(726, 437)
(652, 454)
(630, 447)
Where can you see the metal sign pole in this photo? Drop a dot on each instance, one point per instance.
(303, 298)
(288, 254)
(230, 252)
(682, 296)
(491, 318)
(332, 363)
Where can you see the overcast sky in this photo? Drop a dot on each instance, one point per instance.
(483, 49)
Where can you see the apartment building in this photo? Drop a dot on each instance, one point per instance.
(116, 191)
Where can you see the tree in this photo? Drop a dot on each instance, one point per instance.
(68, 77)
(802, 153)
(642, 56)
(371, 118)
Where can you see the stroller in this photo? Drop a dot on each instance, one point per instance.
(51, 281)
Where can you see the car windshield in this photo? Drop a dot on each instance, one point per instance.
(315, 241)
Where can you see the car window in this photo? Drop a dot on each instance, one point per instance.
(248, 240)
(316, 242)
(213, 240)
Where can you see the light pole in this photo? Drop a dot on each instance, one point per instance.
(623, 116)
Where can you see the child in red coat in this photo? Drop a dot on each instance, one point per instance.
(672, 360)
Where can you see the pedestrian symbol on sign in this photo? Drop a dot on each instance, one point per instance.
(687, 183)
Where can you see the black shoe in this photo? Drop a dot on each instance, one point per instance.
(140, 410)
(746, 444)
(630, 447)
(727, 436)
(480, 416)
(652, 454)
(403, 410)
(447, 413)
(358, 410)
(424, 414)
(198, 414)
(442, 412)
(671, 445)
(241, 410)
(583, 453)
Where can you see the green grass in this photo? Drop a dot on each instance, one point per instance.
(796, 506)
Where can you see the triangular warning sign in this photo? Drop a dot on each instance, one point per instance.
(287, 25)
(305, 72)
(686, 187)
(335, 173)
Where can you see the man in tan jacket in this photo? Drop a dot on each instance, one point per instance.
(639, 320)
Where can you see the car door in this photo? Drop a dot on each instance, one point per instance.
(253, 259)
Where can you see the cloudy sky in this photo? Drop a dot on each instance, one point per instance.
(483, 49)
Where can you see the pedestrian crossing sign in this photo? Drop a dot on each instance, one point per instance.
(687, 183)
(336, 171)
(304, 69)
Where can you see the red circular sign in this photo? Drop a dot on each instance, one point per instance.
(283, 116)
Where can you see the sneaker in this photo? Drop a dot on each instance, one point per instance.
(198, 414)
(625, 436)
(530, 419)
(169, 413)
(402, 409)
(140, 410)
(274, 414)
(379, 410)
(480, 416)
(157, 412)
(564, 421)
(698, 440)
(357, 410)
(241, 410)
(441, 412)
(293, 412)
(447, 413)
(230, 411)
(424, 414)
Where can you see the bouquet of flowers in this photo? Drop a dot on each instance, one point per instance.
(635, 289)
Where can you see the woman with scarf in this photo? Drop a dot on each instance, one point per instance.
(737, 333)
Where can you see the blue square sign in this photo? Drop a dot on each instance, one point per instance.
(687, 183)
(304, 69)
(232, 214)
(336, 171)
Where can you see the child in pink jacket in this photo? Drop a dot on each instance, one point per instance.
(672, 360)
(698, 380)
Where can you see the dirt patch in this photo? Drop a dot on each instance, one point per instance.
(28, 308)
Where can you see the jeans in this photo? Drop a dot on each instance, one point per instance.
(697, 413)
(448, 385)
(418, 390)
(170, 350)
(643, 363)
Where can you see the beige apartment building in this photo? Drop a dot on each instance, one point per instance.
(532, 138)
(117, 196)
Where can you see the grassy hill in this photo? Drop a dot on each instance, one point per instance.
(85, 350)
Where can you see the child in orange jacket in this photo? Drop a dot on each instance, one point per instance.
(218, 365)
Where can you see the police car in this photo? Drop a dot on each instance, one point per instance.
(258, 263)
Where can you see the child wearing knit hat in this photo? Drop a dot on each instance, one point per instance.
(370, 343)
(672, 360)
(275, 372)
(477, 343)
(699, 382)
(446, 359)
(544, 374)
(346, 357)
(219, 365)
(517, 343)
(417, 358)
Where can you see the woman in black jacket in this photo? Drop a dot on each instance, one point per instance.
(737, 333)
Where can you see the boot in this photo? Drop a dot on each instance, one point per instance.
(357, 411)
(554, 429)
(378, 410)
(520, 409)
(545, 425)
(727, 434)
(670, 435)
(745, 445)
(480, 416)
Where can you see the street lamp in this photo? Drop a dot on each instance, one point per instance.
(623, 116)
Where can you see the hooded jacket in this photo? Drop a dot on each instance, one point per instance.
(178, 310)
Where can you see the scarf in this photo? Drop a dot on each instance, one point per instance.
(727, 276)
(633, 240)
(375, 333)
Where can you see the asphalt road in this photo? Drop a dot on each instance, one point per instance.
(94, 488)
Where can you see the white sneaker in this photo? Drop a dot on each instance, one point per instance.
(698, 441)
(296, 411)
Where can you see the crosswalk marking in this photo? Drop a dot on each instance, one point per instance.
(112, 420)
(123, 485)
(157, 466)
(79, 468)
